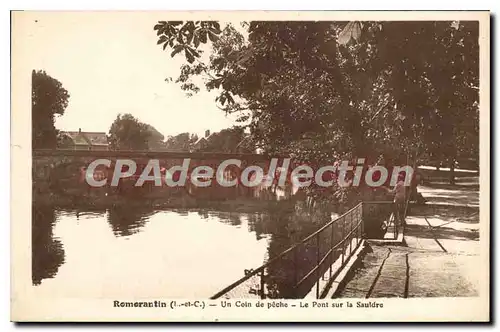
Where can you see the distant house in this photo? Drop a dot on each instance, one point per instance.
(202, 142)
(83, 140)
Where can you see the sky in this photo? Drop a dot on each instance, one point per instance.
(111, 64)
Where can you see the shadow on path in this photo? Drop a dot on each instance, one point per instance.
(447, 213)
(439, 233)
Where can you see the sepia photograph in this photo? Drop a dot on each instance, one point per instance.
(224, 160)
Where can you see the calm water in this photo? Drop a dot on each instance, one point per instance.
(147, 253)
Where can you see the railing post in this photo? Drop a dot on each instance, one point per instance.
(361, 213)
(295, 268)
(262, 285)
(343, 240)
(355, 217)
(317, 265)
(361, 208)
(355, 234)
(350, 235)
(360, 221)
(331, 252)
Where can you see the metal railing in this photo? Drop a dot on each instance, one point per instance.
(298, 270)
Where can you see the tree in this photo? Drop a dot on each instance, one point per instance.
(48, 98)
(231, 140)
(155, 139)
(381, 88)
(281, 80)
(128, 133)
(430, 78)
(181, 142)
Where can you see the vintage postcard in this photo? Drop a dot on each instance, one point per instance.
(250, 166)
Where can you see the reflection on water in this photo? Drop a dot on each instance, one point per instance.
(126, 221)
(144, 252)
(47, 250)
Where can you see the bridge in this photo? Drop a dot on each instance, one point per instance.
(65, 165)
(46, 159)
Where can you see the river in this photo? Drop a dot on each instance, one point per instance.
(149, 253)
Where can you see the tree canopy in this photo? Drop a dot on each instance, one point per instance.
(48, 98)
(230, 140)
(128, 133)
(323, 90)
(182, 142)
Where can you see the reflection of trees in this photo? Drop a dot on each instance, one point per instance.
(230, 218)
(47, 252)
(128, 220)
(234, 219)
(203, 214)
(217, 193)
(257, 223)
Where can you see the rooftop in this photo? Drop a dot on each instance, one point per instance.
(87, 137)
